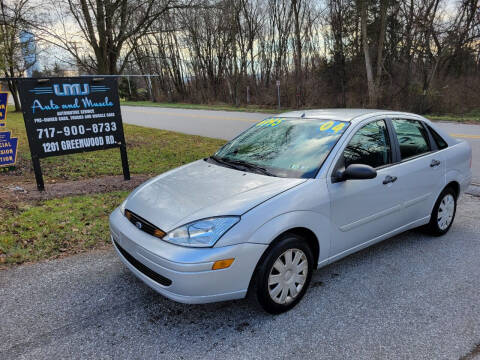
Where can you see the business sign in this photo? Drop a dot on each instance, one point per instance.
(8, 149)
(71, 115)
(3, 108)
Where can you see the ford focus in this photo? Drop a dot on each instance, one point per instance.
(291, 194)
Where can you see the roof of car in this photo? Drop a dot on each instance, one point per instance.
(339, 114)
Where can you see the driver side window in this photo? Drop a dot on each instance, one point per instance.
(369, 146)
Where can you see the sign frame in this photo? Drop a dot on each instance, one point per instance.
(70, 103)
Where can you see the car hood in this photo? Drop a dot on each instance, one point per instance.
(201, 189)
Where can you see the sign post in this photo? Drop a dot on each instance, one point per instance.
(278, 93)
(71, 115)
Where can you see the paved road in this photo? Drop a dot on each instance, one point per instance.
(226, 125)
(217, 124)
(410, 297)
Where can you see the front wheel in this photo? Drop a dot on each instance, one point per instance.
(443, 212)
(283, 276)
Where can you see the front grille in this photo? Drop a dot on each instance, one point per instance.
(143, 224)
(162, 280)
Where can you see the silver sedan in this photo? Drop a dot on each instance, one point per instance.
(289, 195)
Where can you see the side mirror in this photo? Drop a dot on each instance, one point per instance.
(356, 172)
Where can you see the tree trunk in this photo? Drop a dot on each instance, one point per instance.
(381, 42)
(372, 93)
(336, 23)
(296, 4)
(12, 86)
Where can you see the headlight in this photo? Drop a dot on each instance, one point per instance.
(201, 233)
(122, 207)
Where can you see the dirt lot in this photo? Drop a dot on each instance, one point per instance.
(15, 191)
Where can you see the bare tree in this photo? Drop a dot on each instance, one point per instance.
(106, 26)
(373, 81)
(395, 53)
(337, 10)
(16, 43)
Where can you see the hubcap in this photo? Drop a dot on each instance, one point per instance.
(287, 276)
(445, 212)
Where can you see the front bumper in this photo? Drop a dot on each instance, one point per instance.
(180, 273)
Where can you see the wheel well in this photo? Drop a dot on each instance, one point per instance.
(311, 239)
(307, 234)
(455, 186)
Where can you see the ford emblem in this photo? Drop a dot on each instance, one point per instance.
(138, 224)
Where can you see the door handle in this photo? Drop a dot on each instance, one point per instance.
(389, 179)
(434, 163)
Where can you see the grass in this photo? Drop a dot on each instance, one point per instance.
(221, 107)
(471, 117)
(150, 151)
(54, 227)
(466, 118)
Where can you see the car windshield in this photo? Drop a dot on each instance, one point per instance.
(284, 147)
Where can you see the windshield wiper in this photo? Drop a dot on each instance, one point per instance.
(241, 165)
(224, 162)
(249, 166)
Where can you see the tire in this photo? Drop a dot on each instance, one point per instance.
(447, 205)
(277, 266)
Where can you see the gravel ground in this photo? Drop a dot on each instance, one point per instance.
(412, 296)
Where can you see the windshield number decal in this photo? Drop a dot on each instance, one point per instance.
(327, 126)
(270, 122)
(332, 126)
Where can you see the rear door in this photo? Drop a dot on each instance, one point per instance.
(422, 168)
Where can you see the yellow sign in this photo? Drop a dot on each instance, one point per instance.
(8, 149)
(3, 108)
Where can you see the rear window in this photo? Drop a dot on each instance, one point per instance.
(441, 144)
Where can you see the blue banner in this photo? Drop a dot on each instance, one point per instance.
(3, 108)
(8, 149)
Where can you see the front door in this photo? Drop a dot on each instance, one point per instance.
(363, 210)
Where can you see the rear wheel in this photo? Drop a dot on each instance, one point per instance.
(443, 212)
(283, 276)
